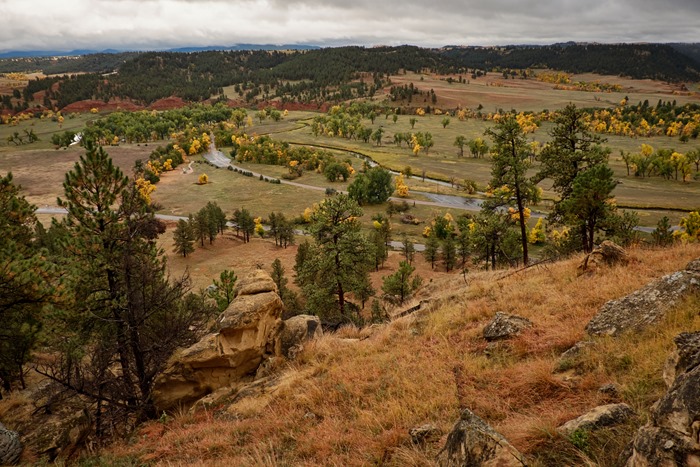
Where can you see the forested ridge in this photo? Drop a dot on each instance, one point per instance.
(323, 75)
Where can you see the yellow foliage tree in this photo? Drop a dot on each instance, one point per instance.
(203, 179)
(537, 236)
(690, 228)
(259, 229)
(420, 111)
(401, 187)
(145, 188)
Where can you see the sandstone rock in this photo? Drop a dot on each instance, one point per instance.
(254, 283)
(606, 254)
(472, 442)
(504, 326)
(646, 305)
(247, 332)
(672, 436)
(297, 330)
(599, 417)
(59, 434)
(10, 446)
(421, 435)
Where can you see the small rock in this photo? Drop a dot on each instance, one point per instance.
(606, 254)
(504, 326)
(10, 446)
(599, 417)
(424, 434)
(609, 390)
(472, 442)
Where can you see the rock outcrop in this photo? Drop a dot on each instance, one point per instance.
(10, 446)
(472, 442)
(51, 421)
(246, 334)
(297, 330)
(646, 305)
(505, 326)
(672, 436)
(424, 434)
(605, 254)
(599, 417)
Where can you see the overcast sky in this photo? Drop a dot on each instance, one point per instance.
(156, 24)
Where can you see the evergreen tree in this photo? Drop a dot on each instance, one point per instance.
(223, 291)
(431, 249)
(26, 283)
(587, 207)
(510, 184)
(339, 260)
(183, 238)
(662, 234)
(399, 286)
(407, 248)
(125, 318)
(448, 252)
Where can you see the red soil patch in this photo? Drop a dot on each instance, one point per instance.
(112, 105)
(168, 103)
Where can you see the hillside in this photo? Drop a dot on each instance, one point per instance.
(350, 398)
(322, 75)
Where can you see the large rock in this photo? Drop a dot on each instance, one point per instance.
(10, 446)
(646, 305)
(472, 442)
(297, 330)
(672, 436)
(247, 332)
(52, 421)
(599, 417)
(605, 254)
(505, 326)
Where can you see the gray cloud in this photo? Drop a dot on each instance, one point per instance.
(170, 23)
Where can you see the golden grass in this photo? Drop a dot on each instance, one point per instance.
(362, 390)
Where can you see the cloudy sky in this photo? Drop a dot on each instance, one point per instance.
(156, 24)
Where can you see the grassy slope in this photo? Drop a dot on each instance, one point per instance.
(352, 402)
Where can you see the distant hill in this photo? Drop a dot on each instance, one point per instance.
(76, 52)
(689, 50)
(321, 75)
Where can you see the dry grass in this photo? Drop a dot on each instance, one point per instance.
(356, 393)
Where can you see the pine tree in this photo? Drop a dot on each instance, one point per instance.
(431, 249)
(183, 238)
(399, 286)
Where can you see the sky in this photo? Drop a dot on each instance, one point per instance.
(161, 24)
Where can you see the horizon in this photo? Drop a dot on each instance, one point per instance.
(132, 25)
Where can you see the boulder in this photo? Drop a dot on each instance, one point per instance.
(472, 442)
(10, 446)
(605, 254)
(647, 305)
(599, 417)
(246, 334)
(505, 326)
(672, 435)
(297, 330)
